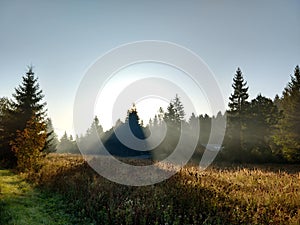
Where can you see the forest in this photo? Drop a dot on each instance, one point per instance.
(261, 130)
(256, 171)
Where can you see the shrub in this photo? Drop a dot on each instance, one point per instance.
(28, 145)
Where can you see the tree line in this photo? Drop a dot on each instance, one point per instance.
(263, 130)
(258, 130)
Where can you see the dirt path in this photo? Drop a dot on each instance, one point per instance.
(21, 204)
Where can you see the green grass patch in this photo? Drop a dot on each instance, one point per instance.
(20, 203)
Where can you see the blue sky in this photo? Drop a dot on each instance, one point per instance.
(63, 38)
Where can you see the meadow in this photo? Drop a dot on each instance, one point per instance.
(22, 203)
(221, 194)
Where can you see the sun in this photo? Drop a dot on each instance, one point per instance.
(148, 106)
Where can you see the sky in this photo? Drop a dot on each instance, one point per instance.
(62, 40)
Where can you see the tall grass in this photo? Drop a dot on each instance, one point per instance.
(220, 195)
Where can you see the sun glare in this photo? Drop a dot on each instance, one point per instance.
(148, 107)
(149, 86)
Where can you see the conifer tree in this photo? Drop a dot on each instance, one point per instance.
(28, 97)
(92, 136)
(173, 117)
(27, 104)
(175, 112)
(263, 116)
(52, 140)
(160, 115)
(170, 116)
(288, 135)
(238, 99)
(233, 143)
(66, 145)
(97, 126)
(134, 123)
(179, 109)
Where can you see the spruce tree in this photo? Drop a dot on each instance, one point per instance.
(179, 109)
(170, 116)
(28, 97)
(288, 135)
(134, 123)
(52, 140)
(238, 99)
(175, 112)
(173, 117)
(233, 142)
(92, 136)
(27, 104)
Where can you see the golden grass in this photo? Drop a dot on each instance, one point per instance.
(253, 194)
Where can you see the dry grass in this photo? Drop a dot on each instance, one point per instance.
(268, 194)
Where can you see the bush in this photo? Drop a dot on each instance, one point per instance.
(28, 145)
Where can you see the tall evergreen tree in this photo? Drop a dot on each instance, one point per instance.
(27, 104)
(175, 112)
(238, 99)
(173, 117)
(170, 116)
(92, 136)
(95, 129)
(179, 109)
(134, 123)
(233, 143)
(52, 140)
(288, 135)
(118, 140)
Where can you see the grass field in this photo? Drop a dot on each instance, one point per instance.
(252, 194)
(21, 204)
